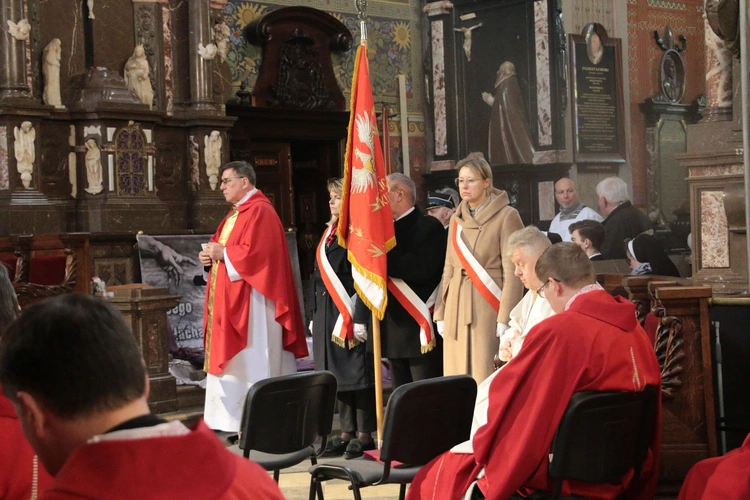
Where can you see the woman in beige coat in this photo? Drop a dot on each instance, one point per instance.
(470, 325)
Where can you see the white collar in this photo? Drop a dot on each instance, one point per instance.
(405, 214)
(246, 197)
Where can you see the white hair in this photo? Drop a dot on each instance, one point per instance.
(405, 182)
(613, 189)
(529, 240)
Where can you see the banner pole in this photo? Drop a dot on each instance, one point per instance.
(377, 358)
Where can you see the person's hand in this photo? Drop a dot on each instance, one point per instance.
(168, 258)
(310, 326)
(500, 329)
(360, 332)
(506, 350)
(440, 325)
(215, 251)
(205, 258)
(486, 97)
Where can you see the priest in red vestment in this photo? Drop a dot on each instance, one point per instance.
(593, 342)
(726, 477)
(252, 322)
(73, 370)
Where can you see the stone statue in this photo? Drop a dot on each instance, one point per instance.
(137, 76)
(51, 70)
(221, 37)
(510, 134)
(25, 151)
(93, 167)
(207, 52)
(90, 5)
(212, 157)
(467, 38)
(20, 31)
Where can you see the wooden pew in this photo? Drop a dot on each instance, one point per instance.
(680, 324)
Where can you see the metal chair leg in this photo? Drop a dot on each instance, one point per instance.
(402, 492)
(276, 476)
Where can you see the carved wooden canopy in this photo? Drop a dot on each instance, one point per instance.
(296, 69)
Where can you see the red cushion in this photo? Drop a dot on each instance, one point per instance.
(47, 270)
(10, 265)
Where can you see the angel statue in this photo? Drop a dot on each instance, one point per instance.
(20, 31)
(207, 52)
(221, 37)
(25, 151)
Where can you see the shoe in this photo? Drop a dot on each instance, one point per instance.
(336, 447)
(357, 448)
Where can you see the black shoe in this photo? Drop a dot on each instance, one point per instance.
(357, 448)
(336, 447)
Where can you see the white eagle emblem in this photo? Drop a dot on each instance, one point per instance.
(364, 178)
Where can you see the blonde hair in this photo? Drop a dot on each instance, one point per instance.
(476, 162)
(336, 185)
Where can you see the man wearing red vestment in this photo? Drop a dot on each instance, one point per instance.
(252, 323)
(726, 477)
(593, 342)
(73, 370)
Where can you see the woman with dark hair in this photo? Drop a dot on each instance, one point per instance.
(334, 346)
(647, 256)
(21, 474)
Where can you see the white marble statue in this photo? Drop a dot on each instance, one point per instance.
(467, 38)
(20, 31)
(93, 167)
(212, 157)
(25, 151)
(221, 37)
(90, 5)
(51, 71)
(137, 76)
(207, 52)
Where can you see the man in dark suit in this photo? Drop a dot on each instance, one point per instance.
(418, 260)
(589, 235)
(622, 221)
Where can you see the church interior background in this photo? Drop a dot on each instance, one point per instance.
(270, 82)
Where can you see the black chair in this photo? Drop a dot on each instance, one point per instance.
(602, 435)
(423, 419)
(284, 416)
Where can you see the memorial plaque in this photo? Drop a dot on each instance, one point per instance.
(598, 117)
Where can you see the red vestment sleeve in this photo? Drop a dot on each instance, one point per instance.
(726, 477)
(258, 251)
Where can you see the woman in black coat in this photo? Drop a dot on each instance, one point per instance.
(350, 362)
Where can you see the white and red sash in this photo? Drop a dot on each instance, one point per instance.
(343, 329)
(420, 311)
(478, 274)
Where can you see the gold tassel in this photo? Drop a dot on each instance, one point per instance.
(427, 348)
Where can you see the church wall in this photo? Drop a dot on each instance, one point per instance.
(644, 17)
(394, 47)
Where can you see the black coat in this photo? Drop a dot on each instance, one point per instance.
(418, 259)
(625, 221)
(353, 367)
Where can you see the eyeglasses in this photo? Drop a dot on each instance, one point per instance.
(226, 180)
(467, 182)
(540, 291)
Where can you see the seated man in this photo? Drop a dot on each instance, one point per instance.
(726, 477)
(589, 235)
(74, 372)
(593, 342)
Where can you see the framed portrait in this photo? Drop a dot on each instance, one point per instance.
(672, 72)
(597, 96)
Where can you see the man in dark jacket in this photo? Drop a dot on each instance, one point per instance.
(622, 221)
(417, 262)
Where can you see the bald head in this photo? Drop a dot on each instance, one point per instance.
(566, 193)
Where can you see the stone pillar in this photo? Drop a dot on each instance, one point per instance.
(14, 88)
(199, 22)
(718, 78)
(438, 17)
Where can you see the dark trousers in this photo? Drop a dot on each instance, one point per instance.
(357, 411)
(405, 370)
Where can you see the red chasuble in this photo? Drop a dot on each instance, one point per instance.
(258, 251)
(17, 458)
(725, 478)
(596, 345)
(194, 465)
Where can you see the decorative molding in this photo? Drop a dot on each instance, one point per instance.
(443, 7)
(670, 351)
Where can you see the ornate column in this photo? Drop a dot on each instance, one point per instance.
(199, 22)
(16, 29)
(718, 77)
(147, 18)
(438, 15)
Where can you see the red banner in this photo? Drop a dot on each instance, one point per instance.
(366, 222)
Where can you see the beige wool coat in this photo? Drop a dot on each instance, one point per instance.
(470, 341)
